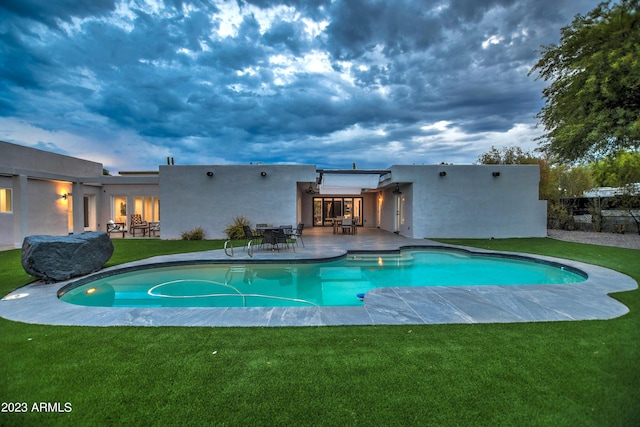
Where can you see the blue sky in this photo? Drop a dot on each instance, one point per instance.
(129, 83)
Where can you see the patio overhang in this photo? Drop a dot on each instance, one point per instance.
(348, 183)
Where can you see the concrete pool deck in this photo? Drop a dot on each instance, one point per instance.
(588, 300)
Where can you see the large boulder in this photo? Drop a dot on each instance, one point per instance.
(56, 258)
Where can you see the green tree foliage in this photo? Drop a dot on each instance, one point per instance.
(235, 230)
(592, 106)
(556, 181)
(572, 181)
(617, 171)
(507, 156)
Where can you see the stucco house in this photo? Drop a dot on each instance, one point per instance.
(47, 193)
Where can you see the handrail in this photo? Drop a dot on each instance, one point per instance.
(250, 248)
(225, 248)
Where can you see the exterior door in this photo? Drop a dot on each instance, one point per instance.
(327, 208)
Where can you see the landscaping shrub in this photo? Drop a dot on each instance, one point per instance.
(559, 217)
(195, 234)
(235, 231)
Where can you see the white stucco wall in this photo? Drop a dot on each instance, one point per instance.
(37, 209)
(190, 198)
(48, 212)
(38, 178)
(40, 161)
(469, 201)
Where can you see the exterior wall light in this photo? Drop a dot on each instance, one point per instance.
(496, 174)
(209, 174)
(443, 173)
(64, 196)
(263, 174)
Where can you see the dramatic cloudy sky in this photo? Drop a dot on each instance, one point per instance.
(325, 82)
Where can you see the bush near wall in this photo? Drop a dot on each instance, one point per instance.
(195, 234)
(235, 230)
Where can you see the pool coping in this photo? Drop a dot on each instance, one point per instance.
(587, 300)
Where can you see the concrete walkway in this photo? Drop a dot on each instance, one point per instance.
(38, 302)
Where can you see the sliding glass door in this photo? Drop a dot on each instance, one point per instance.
(325, 209)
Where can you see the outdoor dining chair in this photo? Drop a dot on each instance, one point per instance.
(297, 234)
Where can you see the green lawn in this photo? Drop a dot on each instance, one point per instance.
(548, 374)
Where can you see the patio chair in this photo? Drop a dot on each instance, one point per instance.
(282, 236)
(154, 227)
(250, 236)
(347, 225)
(297, 234)
(287, 229)
(115, 227)
(138, 224)
(275, 237)
(268, 238)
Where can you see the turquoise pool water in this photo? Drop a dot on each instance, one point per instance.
(335, 283)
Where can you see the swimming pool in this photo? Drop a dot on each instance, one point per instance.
(342, 282)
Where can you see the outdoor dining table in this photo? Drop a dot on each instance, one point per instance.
(269, 234)
(262, 229)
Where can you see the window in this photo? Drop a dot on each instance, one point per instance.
(6, 202)
(148, 207)
(119, 209)
(327, 208)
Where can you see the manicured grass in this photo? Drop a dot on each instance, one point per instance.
(556, 373)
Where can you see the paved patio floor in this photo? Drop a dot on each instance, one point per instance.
(38, 302)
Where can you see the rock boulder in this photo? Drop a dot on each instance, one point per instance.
(56, 258)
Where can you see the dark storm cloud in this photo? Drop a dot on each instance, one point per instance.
(52, 13)
(359, 25)
(276, 81)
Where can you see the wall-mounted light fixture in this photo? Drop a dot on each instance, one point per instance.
(209, 174)
(310, 190)
(495, 174)
(442, 173)
(64, 196)
(263, 174)
(397, 190)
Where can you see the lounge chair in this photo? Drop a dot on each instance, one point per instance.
(115, 227)
(153, 228)
(138, 224)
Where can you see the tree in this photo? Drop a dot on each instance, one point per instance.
(592, 106)
(629, 201)
(573, 181)
(507, 156)
(618, 171)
